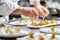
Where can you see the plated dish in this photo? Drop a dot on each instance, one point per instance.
(42, 36)
(20, 22)
(43, 24)
(13, 32)
(50, 30)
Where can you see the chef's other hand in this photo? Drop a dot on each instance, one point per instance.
(42, 10)
(28, 11)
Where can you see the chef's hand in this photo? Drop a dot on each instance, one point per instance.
(42, 10)
(28, 11)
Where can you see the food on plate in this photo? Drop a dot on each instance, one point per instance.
(2, 25)
(17, 30)
(53, 21)
(9, 31)
(41, 38)
(52, 28)
(23, 21)
(45, 22)
(34, 23)
(20, 21)
(26, 20)
(53, 35)
(31, 35)
(13, 18)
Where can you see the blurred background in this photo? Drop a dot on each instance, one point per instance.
(52, 5)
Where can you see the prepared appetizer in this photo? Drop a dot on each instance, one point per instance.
(10, 31)
(45, 22)
(31, 35)
(17, 30)
(41, 38)
(52, 28)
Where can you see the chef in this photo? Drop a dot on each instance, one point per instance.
(10, 6)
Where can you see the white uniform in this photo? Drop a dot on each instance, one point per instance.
(8, 6)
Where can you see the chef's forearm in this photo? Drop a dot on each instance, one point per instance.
(18, 10)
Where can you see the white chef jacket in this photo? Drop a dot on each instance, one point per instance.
(8, 6)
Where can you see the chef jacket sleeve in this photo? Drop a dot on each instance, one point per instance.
(7, 7)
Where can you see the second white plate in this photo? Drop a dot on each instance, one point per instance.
(48, 30)
(31, 26)
(19, 23)
(22, 32)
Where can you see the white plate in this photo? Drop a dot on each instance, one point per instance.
(17, 23)
(23, 32)
(48, 37)
(48, 30)
(37, 35)
(31, 26)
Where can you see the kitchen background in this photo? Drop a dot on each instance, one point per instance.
(52, 5)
